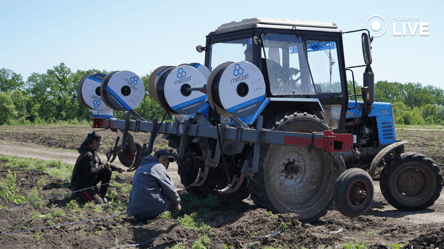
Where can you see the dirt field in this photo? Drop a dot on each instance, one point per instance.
(233, 224)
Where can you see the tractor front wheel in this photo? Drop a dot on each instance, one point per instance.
(353, 192)
(411, 181)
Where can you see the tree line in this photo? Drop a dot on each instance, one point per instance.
(52, 96)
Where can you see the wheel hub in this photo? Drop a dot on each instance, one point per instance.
(358, 193)
(411, 182)
(292, 167)
(299, 180)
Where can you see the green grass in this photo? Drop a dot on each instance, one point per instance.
(73, 205)
(202, 242)
(42, 181)
(9, 189)
(165, 215)
(428, 127)
(192, 222)
(19, 162)
(73, 122)
(54, 168)
(180, 245)
(57, 169)
(126, 188)
(34, 195)
(189, 202)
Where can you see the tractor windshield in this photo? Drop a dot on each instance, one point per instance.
(236, 50)
(291, 72)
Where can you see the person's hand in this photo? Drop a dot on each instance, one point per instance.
(177, 208)
(106, 165)
(114, 168)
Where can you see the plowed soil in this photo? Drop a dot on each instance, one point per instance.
(237, 225)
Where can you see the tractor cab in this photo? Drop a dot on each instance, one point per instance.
(302, 63)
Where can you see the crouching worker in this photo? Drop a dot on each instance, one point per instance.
(153, 190)
(89, 171)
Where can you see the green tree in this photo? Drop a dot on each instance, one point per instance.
(10, 81)
(39, 87)
(20, 100)
(416, 96)
(388, 92)
(7, 109)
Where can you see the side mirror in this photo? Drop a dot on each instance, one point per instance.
(200, 49)
(366, 49)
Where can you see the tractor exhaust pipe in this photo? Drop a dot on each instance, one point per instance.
(368, 91)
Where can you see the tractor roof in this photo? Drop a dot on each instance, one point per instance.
(276, 24)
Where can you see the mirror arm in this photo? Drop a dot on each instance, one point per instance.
(357, 30)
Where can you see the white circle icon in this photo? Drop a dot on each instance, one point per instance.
(377, 26)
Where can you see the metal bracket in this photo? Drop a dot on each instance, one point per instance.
(125, 131)
(234, 186)
(152, 137)
(213, 162)
(247, 170)
(183, 138)
(239, 122)
(112, 153)
(201, 177)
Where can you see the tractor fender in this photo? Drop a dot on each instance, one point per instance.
(378, 158)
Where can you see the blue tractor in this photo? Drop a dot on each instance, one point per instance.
(304, 70)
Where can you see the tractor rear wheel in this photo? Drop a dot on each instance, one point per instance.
(216, 180)
(411, 181)
(294, 179)
(125, 156)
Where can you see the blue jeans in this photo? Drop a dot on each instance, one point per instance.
(149, 215)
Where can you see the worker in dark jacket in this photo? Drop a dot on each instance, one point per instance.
(89, 170)
(153, 190)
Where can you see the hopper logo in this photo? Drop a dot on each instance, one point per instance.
(181, 73)
(134, 80)
(238, 70)
(97, 103)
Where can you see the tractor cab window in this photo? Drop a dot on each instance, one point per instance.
(235, 50)
(323, 60)
(288, 70)
(298, 66)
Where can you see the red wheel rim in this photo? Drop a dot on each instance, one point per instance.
(128, 153)
(358, 193)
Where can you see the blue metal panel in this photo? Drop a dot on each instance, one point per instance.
(384, 119)
(250, 119)
(203, 110)
(386, 129)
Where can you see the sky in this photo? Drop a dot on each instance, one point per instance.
(140, 36)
